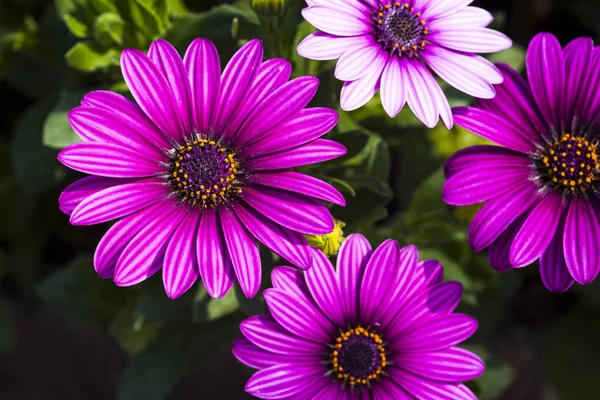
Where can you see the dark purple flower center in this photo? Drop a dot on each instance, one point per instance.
(400, 29)
(570, 164)
(358, 356)
(204, 173)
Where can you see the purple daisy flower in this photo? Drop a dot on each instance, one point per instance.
(540, 187)
(379, 326)
(196, 169)
(390, 45)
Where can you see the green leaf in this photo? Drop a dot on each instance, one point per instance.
(89, 57)
(146, 19)
(152, 374)
(206, 308)
(426, 200)
(103, 6)
(340, 184)
(35, 166)
(515, 57)
(497, 377)
(67, 292)
(130, 332)
(372, 183)
(77, 28)
(57, 132)
(109, 28)
(354, 141)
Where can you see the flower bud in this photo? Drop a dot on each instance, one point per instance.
(269, 8)
(329, 243)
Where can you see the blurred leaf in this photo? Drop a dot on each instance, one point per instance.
(354, 141)
(250, 306)
(8, 329)
(447, 143)
(131, 334)
(497, 377)
(342, 185)
(146, 19)
(374, 184)
(570, 353)
(156, 307)
(152, 374)
(35, 166)
(515, 57)
(452, 272)
(77, 28)
(103, 6)
(88, 57)
(57, 132)
(426, 201)
(206, 308)
(109, 28)
(67, 292)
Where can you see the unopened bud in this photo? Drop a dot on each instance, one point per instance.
(329, 243)
(269, 8)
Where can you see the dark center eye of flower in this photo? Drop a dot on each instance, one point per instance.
(570, 164)
(400, 29)
(358, 356)
(204, 173)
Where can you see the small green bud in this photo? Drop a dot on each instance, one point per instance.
(330, 243)
(269, 8)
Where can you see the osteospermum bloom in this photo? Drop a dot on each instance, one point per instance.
(390, 45)
(540, 186)
(380, 326)
(196, 169)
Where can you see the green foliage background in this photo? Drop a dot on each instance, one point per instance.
(53, 52)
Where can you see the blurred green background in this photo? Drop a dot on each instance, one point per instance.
(67, 334)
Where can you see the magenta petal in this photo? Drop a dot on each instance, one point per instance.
(499, 251)
(300, 183)
(323, 46)
(284, 380)
(290, 280)
(180, 269)
(126, 113)
(378, 279)
(120, 234)
(144, 254)
(470, 158)
(578, 58)
(484, 182)
(427, 389)
(277, 108)
(580, 241)
(150, 89)
(537, 231)
(449, 365)
(553, 267)
(266, 333)
(235, 81)
(592, 98)
(497, 214)
(299, 316)
(335, 21)
(357, 93)
(243, 251)
(355, 63)
(439, 9)
(270, 75)
(82, 188)
(305, 126)
(104, 159)
(169, 63)
(351, 262)
(437, 333)
(393, 90)
(317, 151)
(204, 71)
(472, 40)
(213, 260)
(255, 357)
(284, 242)
(324, 288)
(546, 73)
(100, 125)
(490, 126)
(514, 102)
(117, 201)
(294, 211)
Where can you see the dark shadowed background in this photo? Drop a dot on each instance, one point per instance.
(67, 334)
